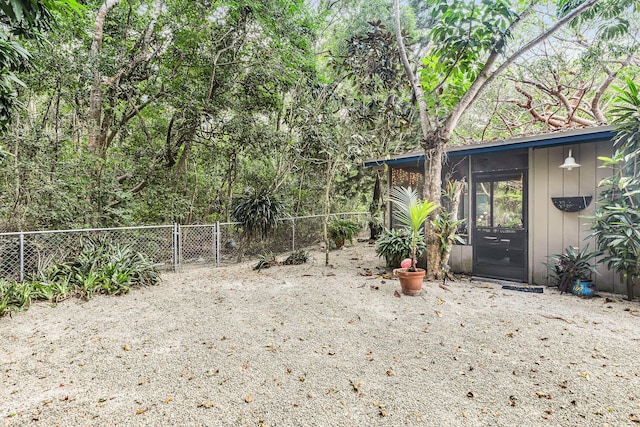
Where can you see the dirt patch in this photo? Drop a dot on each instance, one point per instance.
(316, 345)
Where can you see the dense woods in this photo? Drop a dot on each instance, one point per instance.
(160, 111)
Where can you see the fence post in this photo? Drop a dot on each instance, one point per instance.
(176, 247)
(293, 234)
(218, 240)
(21, 257)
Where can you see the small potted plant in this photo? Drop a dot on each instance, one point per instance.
(572, 270)
(394, 245)
(341, 230)
(411, 212)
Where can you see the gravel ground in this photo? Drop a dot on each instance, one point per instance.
(322, 346)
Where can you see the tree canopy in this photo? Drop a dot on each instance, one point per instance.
(154, 111)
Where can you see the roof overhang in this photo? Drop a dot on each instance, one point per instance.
(555, 139)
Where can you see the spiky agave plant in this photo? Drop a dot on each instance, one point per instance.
(412, 213)
(258, 214)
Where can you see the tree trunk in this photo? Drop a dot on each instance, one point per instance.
(374, 208)
(434, 146)
(96, 136)
(629, 288)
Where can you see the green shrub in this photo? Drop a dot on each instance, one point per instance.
(99, 267)
(258, 214)
(104, 267)
(572, 265)
(343, 229)
(14, 296)
(297, 258)
(266, 260)
(395, 245)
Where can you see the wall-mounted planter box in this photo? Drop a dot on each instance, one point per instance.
(571, 204)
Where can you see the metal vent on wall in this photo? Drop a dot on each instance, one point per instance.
(571, 204)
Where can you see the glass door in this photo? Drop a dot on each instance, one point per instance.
(500, 225)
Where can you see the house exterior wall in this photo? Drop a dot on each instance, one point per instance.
(551, 230)
(461, 259)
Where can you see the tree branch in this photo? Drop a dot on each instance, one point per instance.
(486, 77)
(425, 124)
(611, 76)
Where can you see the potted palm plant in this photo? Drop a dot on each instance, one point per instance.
(412, 213)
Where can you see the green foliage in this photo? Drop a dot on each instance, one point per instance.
(98, 267)
(258, 214)
(370, 60)
(296, 258)
(395, 245)
(463, 34)
(52, 286)
(197, 111)
(14, 296)
(343, 229)
(446, 228)
(19, 20)
(616, 230)
(627, 113)
(615, 223)
(412, 213)
(610, 15)
(266, 260)
(110, 268)
(572, 265)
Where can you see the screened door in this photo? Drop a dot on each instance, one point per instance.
(500, 225)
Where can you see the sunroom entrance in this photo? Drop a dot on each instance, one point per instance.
(499, 224)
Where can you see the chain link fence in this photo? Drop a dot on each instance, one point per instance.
(170, 247)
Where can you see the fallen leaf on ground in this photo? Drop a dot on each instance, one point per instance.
(141, 411)
(438, 313)
(248, 399)
(205, 405)
(634, 418)
(396, 294)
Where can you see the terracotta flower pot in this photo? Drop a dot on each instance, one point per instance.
(410, 281)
